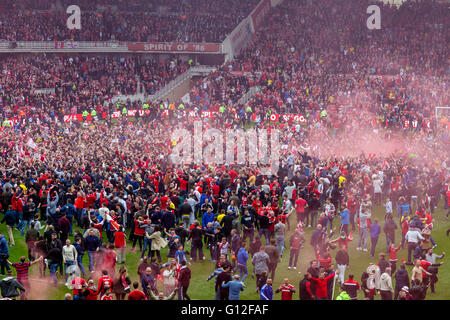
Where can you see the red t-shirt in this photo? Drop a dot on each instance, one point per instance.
(183, 184)
(119, 239)
(164, 202)
(79, 203)
(138, 230)
(107, 297)
(425, 264)
(216, 189)
(137, 295)
(105, 282)
(300, 205)
(77, 285)
(286, 291)
(92, 294)
(257, 205)
(321, 286)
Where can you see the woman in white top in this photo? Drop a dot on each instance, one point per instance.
(377, 190)
(169, 278)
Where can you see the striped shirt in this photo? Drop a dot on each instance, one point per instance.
(22, 270)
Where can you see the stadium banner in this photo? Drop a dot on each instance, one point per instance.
(175, 47)
(260, 12)
(189, 114)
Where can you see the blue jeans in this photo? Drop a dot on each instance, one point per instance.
(330, 223)
(91, 255)
(67, 264)
(19, 218)
(363, 232)
(243, 272)
(80, 263)
(374, 245)
(53, 270)
(78, 215)
(280, 245)
(388, 242)
(22, 226)
(265, 232)
(147, 243)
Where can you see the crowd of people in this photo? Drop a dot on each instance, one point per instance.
(180, 21)
(99, 188)
(132, 193)
(80, 83)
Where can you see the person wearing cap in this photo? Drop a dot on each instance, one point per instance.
(404, 294)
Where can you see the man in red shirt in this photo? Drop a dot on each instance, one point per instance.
(22, 274)
(183, 186)
(351, 286)
(91, 291)
(257, 204)
(104, 283)
(425, 278)
(215, 189)
(136, 294)
(300, 205)
(78, 284)
(120, 244)
(107, 295)
(286, 289)
(164, 201)
(321, 285)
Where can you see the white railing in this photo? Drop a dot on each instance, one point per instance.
(248, 95)
(172, 85)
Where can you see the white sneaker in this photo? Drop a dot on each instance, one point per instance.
(289, 268)
(365, 250)
(309, 226)
(359, 248)
(295, 268)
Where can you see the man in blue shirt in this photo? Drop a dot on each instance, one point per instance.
(375, 230)
(92, 245)
(4, 255)
(267, 291)
(208, 217)
(235, 286)
(70, 211)
(345, 219)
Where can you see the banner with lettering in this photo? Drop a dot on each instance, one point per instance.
(175, 47)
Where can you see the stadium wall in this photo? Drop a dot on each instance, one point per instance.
(242, 35)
